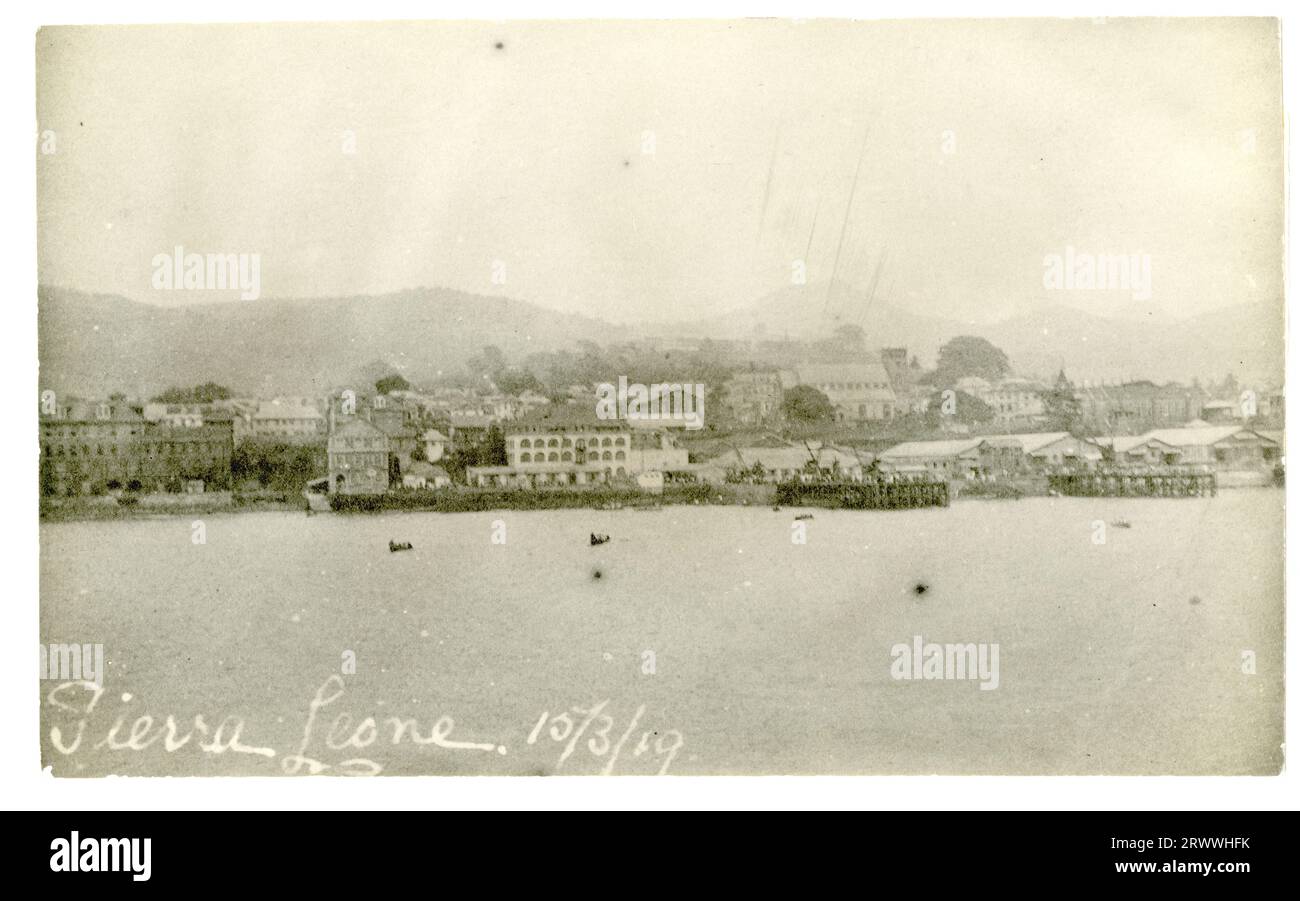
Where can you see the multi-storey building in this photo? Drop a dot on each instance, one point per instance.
(1015, 402)
(860, 392)
(288, 419)
(359, 461)
(168, 457)
(1134, 407)
(568, 445)
(753, 398)
(110, 446)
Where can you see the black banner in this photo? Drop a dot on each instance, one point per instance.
(352, 850)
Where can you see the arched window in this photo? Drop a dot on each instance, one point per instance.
(525, 458)
(606, 456)
(568, 442)
(554, 442)
(567, 456)
(552, 457)
(605, 442)
(620, 456)
(525, 443)
(620, 442)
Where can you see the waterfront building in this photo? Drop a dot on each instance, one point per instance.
(358, 457)
(167, 457)
(1054, 449)
(947, 459)
(88, 445)
(396, 423)
(1139, 450)
(991, 454)
(96, 446)
(1228, 447)
(422, 475)
(567, 444)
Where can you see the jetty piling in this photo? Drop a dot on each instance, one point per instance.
(1124, 483)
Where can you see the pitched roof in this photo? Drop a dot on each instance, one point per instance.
(355, 427)
(1034, 441)
(89, 410)
(951, 448)
(274, 409)
(869, 374)
(471, 421)
(1198, 437)
(426, 469)
(564, 416)
(1122, 444)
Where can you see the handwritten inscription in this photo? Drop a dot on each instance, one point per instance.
(568, 730)
(333, 742)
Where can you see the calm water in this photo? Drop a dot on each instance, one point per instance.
(767, 656)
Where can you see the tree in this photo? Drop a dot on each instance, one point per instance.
(804, 403)
(493, 450)
(488, 363)
(200, 394)
(278, 465)
(516, 381)
(956, 407)
(390, 383)
(968, 355)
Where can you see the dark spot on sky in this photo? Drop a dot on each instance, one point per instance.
(627, 163)
(920, 588)
(500, 45)
(1195, 600)
(596, 573)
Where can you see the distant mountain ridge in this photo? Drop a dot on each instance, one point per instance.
(95, 344)
(1247, 340)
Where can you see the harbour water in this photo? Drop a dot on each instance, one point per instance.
(698, 640)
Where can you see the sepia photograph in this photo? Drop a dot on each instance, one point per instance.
(660, 397)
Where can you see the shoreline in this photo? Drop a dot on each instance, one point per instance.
(450, 502)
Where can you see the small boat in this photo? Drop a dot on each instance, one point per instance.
(1122, 524)
(598, 539)
(776, 509)
(394, 546)
(803, 516)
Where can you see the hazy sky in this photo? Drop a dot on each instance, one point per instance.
(672, 169)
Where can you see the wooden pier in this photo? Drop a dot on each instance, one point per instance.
(1126, 483)
(871, 494)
